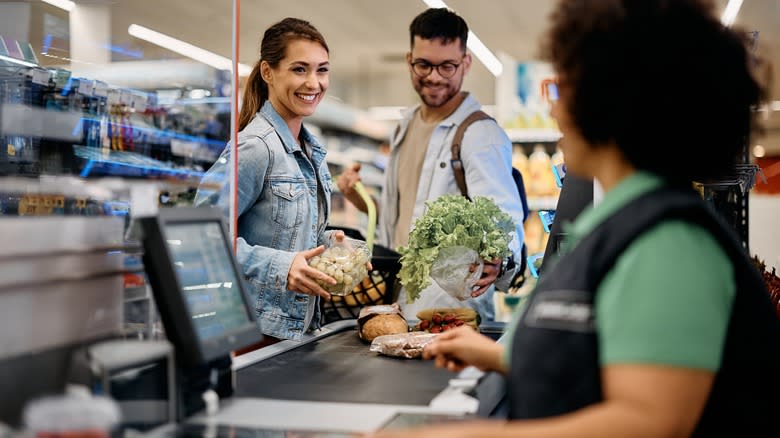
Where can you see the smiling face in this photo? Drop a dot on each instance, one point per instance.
(296, 86)
(434, 90)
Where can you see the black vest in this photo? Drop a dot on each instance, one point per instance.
(555, 366)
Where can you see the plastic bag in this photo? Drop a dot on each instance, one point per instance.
(409, 345)
(345, 261)
(451, 271)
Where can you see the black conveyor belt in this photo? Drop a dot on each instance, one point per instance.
(340, 368)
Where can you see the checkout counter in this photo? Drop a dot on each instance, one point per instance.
(328, 383)
(62, 320)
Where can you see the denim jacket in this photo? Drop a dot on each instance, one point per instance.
(277, 216)
(486, 153)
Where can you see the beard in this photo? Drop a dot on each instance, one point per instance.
(437, 94)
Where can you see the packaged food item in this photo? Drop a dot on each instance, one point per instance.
(446, 318)
(452, 271)
(375, 321)
(345, 261)
(409, 345)
(542, 181)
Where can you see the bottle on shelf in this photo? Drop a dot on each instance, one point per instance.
(541, 179)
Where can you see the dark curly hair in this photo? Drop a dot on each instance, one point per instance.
(439, 23)
(663, 79)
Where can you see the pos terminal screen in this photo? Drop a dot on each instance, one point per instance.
(207, 278)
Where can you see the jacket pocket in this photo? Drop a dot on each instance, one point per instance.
(289, 202)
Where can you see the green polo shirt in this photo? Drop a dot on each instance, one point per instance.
(668, 298)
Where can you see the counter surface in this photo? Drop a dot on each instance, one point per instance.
(340, 368)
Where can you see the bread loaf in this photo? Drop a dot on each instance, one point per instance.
(380, 320)
(383, 324)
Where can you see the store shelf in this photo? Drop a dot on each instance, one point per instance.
(542, 135)
(544, 203)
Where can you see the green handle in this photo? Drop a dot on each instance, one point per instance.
(371, 214)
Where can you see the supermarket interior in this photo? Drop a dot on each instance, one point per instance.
(113, 112)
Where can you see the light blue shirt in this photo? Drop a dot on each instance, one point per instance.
(486, 152)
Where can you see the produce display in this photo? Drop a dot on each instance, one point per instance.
(442, 319)
(345, 261)
(452, 221)
(374, 321)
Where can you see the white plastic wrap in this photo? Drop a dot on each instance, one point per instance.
(451, 271)
(409, 345)
(345, 261)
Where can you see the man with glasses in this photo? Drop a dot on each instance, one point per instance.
(419, 167)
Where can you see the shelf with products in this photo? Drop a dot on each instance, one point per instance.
(54, 123)
(533, 135)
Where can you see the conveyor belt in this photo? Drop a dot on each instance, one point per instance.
(340, 368)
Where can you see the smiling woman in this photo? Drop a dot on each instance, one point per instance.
(283, 180)
(298, 83)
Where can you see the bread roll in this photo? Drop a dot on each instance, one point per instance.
(383, 324)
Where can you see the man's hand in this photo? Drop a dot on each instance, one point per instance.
(490, 271)
(346, 184)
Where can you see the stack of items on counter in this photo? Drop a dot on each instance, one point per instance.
(390, 335)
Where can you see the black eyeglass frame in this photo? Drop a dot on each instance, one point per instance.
(430, 67)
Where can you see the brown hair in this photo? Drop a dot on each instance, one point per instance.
(272, 50)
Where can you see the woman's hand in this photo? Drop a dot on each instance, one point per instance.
(301, 277)
(490, 271)
(456, 349)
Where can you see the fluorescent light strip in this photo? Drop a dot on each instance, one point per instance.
(17, 61)
(485, 55)
(474, 44)
(186, 49)
(62, 4)
(730, 13)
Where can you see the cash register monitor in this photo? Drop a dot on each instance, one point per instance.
(197, 285)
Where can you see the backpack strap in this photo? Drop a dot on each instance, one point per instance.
(455, 162)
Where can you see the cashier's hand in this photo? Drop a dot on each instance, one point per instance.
(490, 272)
(301, 277)
(462, 347)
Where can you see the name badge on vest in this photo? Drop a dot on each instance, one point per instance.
(570, 310)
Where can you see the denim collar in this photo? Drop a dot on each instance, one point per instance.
(277, 122)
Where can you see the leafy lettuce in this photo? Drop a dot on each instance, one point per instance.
(452, 220)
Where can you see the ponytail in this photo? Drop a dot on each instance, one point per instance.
(255, 95)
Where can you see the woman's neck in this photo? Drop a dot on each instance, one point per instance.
(295, 127)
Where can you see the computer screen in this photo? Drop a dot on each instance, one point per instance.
(198, 286)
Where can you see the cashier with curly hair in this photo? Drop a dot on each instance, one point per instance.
(654, 323)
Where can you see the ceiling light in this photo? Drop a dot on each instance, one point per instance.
(759, 151)
(62, 4)
(17, 61)
(186, 49)
(730, 13)
(485, 56)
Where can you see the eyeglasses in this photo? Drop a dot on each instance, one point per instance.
(550, 90)
(446, 69)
